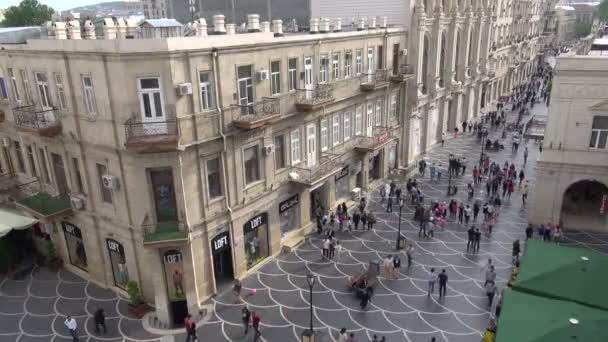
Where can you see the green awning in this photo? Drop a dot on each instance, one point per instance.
(567, 273)
(528, 318)
(10, 220)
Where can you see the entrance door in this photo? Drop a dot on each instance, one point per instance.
(151, 106)
(222, 258)
(370, 119)
(164, 195)
(395, 59)
(60, 178)
(370, 64)
(308, 78)
(311, 145)
(416, 129)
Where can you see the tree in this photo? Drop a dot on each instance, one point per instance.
(602, 10)
(28, 13)
(582, 29)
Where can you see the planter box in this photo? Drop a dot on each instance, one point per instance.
(138, 311)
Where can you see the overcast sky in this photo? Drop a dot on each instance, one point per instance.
(58, 5)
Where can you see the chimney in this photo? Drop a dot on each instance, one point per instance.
(383, 22)
(200, 25)
(324, 27)
(218, 24)
(109, 30)
(230, 29)
(361, 24)
(73, 29)
(372, 23)
(338, 25)
(253, 23)
(314, 25)
(277, 28)
(89, 30)
(265, 25)
(59, 28)
(121, 28)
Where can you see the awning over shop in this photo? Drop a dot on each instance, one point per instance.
(10, 220)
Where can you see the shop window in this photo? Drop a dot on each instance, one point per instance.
(118, 263)
(256, 245)
(289, 214)
(75, 245)
(214, 182)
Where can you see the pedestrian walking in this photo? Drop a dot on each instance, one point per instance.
(342, 335)
(431, 278)
(476, 208)
(529, 231)
(72, 326)
(236, 288)
(471, 238)
(371, 220)
(490, 292)
(332, 248)
(389, 204)
(245, 316)
(525, 155)
(443, 283)
(326, 244)
(515, 252)
(388, 266)
(396, 267)
(477, 240)
(490, 276)
(410, 255)
(351, 338)
(524, 193)
(100, 320)
(255, 324)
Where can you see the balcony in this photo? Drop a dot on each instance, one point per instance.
(44, 205)
(381, 137)
(456, 88)
(376, 80)
(165, 233)
(406, 71)
(311, 100)
(257, 114)
(151, 137)
(44, 123)
(310, 176)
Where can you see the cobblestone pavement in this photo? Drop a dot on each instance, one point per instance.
(33, 309)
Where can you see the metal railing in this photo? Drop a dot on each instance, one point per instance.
(256, 111)
(329, 162)
(136, 129)
(406, 69)
(380, 135)
(322, 93)
(29, 117)
(375, 77)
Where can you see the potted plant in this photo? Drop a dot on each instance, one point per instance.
(53, 261)
(137, 306)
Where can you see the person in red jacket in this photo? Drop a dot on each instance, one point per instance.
(255, 323)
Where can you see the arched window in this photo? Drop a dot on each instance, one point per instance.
(442, 60)
(425, 64)
(470, 55)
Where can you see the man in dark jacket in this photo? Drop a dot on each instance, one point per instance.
(100, 320)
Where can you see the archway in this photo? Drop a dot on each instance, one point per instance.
(584, 206)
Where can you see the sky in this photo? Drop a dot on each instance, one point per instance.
(58, 5)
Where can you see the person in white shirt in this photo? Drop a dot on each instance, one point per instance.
(432, 278)
(326, 244)
(72, 326)
(388, 266)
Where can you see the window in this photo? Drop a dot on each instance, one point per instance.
(379, 111)
(45, 168)
(11, 74)
(393, 109)
(3, 88)
(425, 64)
(335, 62)
(89, 95)
(358, 120)
(370, 60)
(31, 160)
(599, 132)
(275, 77)
(18, 152)
(380, 57)
(292, 74)
(324, 135)
(470, 52)
(442, 60)
(295, 147)
(150, 98)
(26, 87)
(77, 175)
(359, 61)
(106, 194)
(206, 89)
(61, 99)
(279, 152)
(347, 128)
(245, 85)
(336, 130)
(348, 64)
(43, 90)
(252, 164)
(323, 69)
(214, 181)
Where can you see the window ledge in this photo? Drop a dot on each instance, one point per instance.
(215, 200)
(254, 184)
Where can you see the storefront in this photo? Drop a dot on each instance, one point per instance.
(118, 263)
(257, 245)
(222, 258)
(375, 165)
(289, 214)
(75, 245)
(392, 156)
(174, 275)
(342, 183)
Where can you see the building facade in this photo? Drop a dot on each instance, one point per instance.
(572, 178)
(183, 163)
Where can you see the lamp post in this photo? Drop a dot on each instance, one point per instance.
(449, 178)
(309, 335)
(399, 231)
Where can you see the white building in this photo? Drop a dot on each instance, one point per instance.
(397, 11)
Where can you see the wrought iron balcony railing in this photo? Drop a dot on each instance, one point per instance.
(405, 71)
(157, 136)
(380, 136)
(374, 80)
(311, 99)
(328, 165)
(256, 114)
(44, 122)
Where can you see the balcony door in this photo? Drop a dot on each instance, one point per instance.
(245, 83)
(370, 64)
(164, 195)
(370, 119)
(153, 118)
(60, 178)
(311, 145)
(308, 78)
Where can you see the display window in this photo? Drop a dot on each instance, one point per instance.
(255, 233)
(118, 262)
(174, 273)
(75, 245)
(289, 214)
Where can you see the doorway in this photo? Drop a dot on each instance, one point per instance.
(222, 259)
(311, 145)
(308, 78)
(375, 168)
(60, 178)
(318, 199)
(164, 195)
(584, 206)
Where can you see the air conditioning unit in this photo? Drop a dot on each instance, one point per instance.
(268, 150)
(77, 202)
(109, 182)
(184, 89)
(6, 142)
(403, 52)
(262, 75)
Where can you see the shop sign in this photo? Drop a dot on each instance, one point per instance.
(115, 246)
(604, 204)
(255, 222)
(289, 203)
(72, 229)
(172, 257)
(381, 139)
(220, 242)
(343, 173)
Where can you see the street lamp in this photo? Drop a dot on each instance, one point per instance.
(450, 178)
(399, 232)
(309, 335)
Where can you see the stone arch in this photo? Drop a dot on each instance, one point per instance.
(584, 205)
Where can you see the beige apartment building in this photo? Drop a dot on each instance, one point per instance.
(182, 163)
